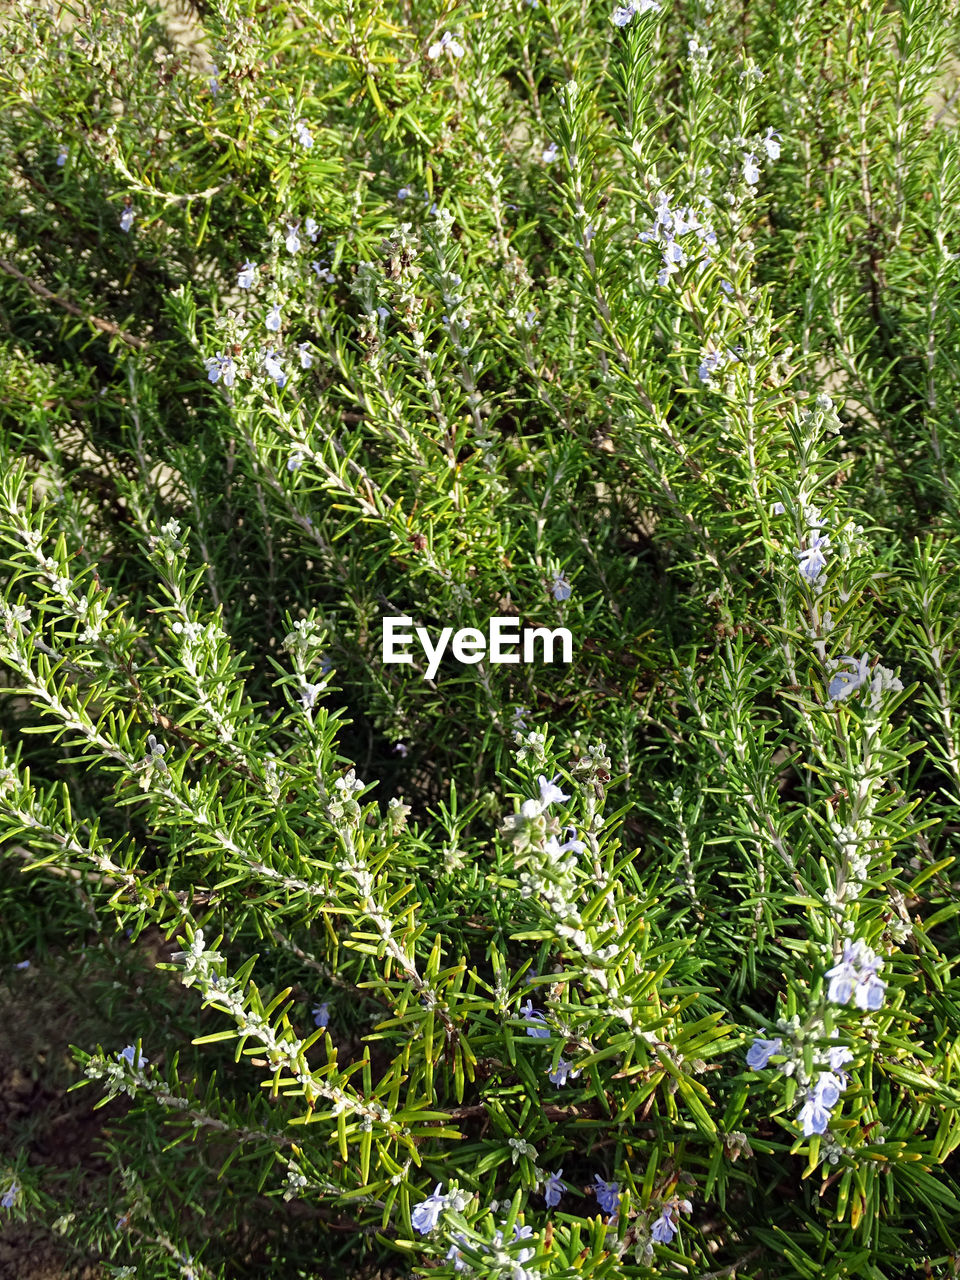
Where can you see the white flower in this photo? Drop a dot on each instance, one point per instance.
(293, 240)
(247, 275)
(272, 321)
(751, 174)
(304, 136)
(273, 369)
(446, 41)
(306, 359)
(551, 153)
(771, 144)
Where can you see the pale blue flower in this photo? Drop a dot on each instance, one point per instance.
(561, 588)
(812, 559)
(272, 321)
(554, 1189)
(622, 15)
(22, 964)
(814, 1116)
(308, 697)
(321, 1014)
(427, 1214)
(663, 1230)
(454, 1255)
(221, 366)
(551, 153)
(869, 993)
(838, 1057)
(126, 219)
(311, 227)
(828, 1088)
(532, 1015)
(296, 460)
(778, 509)
(446, 41)
(9, 1197)
(306, 359)
(323, 273)
(247, 275)
(855, 974)
(708, 365)
(382, 313)
(727, 287)
(304, 137)
(273, 369)
(751, 174)
(62, 155)
(129, 1054)
(403, 193)
(564, 1072)
(761, 1051)
(846, 682)
(550, 793)
(293, 239)
(607, 1193)
(771, 143)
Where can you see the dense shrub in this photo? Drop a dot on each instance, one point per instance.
(639, 322)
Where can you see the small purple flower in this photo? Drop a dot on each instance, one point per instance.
(311, 228)
(561, 588)
(403, 193)
(761, 1051)
(777, 509)
(663, 1230)
(272, 321)
(608, 1194)
(427, 1214)
(401, 750)
(551, 153)
(553, 1189)
(62, 155)
(22, 964)
(751, 174)
(727, 287)
(247, 275)
(306, 359)
(292, 240)
(126, 219)
(537, 1032)
(563, 1073)
(9, 1197)
(323, 273)
(129, 1054)
(771, 143)
(304, 137)
(321, 1014)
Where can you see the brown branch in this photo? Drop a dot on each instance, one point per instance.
(105, 326)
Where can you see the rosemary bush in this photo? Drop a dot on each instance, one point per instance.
(637, 321)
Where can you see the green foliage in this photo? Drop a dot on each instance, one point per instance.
(644, 325)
